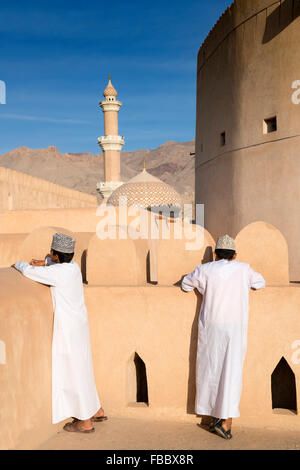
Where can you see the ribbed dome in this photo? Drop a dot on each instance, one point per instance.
(110, 90)
(146, 191)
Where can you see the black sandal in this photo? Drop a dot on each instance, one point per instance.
(222, 432)
(213, 423)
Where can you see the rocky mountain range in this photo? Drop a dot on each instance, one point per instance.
(171, 162)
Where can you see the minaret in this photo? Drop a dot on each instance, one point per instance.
(111, 143)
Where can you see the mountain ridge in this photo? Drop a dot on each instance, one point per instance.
(171, 162)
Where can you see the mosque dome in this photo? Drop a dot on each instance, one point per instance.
(110, 90)
(144, 190)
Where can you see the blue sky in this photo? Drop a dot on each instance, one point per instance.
(55, 58)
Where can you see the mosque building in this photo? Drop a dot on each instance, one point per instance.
(144, 190)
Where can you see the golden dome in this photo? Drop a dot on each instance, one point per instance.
(110, 90)
(144, 190)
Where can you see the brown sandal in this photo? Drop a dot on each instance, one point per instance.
(95, 420)
(87, 431)
(100, 419)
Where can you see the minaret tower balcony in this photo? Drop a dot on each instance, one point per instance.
(111, 142)
(110, 106)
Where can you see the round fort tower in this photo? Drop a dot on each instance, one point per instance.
(248, 121)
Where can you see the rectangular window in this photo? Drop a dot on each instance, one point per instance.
(223, 139)
(270, 125)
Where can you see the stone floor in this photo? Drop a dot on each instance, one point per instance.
(137, 434)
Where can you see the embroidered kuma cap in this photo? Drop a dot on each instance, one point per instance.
(63, 243)
(226, 243)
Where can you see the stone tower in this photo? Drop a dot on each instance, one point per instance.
(248, 123)
(111, 143)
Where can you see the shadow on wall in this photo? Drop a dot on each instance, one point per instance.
(83, 266)
(208, 257)
(191, 392)
(280, 19)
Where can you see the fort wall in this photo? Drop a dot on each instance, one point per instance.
(160, 325)
(248, 126)
(22, 191)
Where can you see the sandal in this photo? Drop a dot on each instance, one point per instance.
(213, 423)
(73, 428)
(94, 420)
(100, 419)
(222, 432)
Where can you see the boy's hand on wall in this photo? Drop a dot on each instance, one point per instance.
(37, 262)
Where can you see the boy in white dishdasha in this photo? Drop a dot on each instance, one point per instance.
(74, 392)
(222, 333)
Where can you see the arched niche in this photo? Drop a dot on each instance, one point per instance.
(283, 385)
(264, 247)
(37, 245)
(176, 258)
(137, 383)
(113, 262)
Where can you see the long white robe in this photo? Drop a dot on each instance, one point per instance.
(222, 334)
(74, 392)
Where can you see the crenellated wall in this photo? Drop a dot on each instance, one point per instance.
(22, 191)
(124, 261)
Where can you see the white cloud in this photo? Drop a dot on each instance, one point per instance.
(21, 117)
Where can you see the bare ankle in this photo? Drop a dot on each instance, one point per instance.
(227, 424)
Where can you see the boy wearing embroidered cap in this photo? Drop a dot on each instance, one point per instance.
(222, 333)
(74, 392)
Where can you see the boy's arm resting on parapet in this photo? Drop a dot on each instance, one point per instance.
(42, 262)
(256, 280)
(195, 280)
(43, 274)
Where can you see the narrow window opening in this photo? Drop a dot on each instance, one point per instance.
(284, 396)
(141, 380)
(270, 125)
(223, 139)
(148, 267)
(137, 385)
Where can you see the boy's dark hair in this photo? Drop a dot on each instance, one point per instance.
(225, 254)
(63, 257)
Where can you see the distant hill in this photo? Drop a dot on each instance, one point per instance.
(171, 162)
